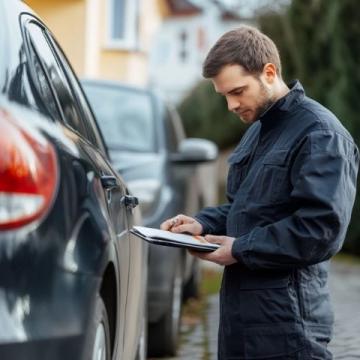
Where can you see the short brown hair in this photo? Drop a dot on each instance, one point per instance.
(245, 46)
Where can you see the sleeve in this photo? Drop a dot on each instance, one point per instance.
(323, 175)
(213, 219)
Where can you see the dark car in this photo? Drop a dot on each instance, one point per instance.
(72, 278)
(147, 145)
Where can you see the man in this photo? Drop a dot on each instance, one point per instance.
(290, 190)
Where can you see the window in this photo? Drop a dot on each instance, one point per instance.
(122, 23)
(55, 77)
(57, 81)
(183, 54)
(92, 130)
(125, 117)
(43, 86)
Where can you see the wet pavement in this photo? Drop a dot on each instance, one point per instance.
(345, 288)
(199, 338)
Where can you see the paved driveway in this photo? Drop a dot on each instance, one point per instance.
(345, 287)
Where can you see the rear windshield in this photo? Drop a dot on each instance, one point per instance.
(125, 117)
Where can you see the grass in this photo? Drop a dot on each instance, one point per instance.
(195, 309)
(211, 282)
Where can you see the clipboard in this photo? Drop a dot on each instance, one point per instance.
(168, 238)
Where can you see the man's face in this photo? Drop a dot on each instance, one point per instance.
(247, 96)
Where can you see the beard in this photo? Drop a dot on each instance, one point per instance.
(265, 101)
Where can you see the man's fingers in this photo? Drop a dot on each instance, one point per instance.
(221, 256)
(172, 222)
(182, 224)
(166, 225)
(214, 239)
(200, 254)
(175, 221)
(208, 256)
(184, 228)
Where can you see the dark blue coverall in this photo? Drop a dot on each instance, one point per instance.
(291, 188)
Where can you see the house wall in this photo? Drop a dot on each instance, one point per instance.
(81, 28)
(127, 65)
(66, 19)
(169, 71)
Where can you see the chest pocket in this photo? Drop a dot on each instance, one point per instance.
(238, 163)
(273, 184)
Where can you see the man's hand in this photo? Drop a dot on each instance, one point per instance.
(221, 256)
(182, 224)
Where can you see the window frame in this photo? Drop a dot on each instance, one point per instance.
(32, 57)
(30, 26)
(174, 132)
(86, 123)
(90, 123)
(130, 39)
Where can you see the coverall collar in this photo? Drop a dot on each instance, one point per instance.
(286, 103)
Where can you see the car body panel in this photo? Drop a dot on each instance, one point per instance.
(52, 270)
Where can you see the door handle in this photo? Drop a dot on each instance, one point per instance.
(129, 201)
(108, 182)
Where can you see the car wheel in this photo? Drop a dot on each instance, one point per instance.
(99, 344)
(164, 335)
(141, 353)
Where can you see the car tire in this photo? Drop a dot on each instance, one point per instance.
(99, 338)
(164, 334)
(141, 353)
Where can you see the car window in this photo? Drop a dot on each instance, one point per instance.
(57, 78)
(125, 117)
(47, 104)
(91, 125)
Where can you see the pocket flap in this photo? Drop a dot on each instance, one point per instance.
(278, 157)
(239, 156)
(261, 280)
(272, 342)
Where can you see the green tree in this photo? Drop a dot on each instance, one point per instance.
(319, 44)
(205, 115)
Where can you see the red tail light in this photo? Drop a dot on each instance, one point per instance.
(28, 174)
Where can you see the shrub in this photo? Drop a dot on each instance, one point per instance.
(319, 44)
(205, 115)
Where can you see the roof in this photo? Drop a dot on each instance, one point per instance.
(231, 16)
(183, 7)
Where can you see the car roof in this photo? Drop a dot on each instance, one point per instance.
(155, 94)
(111, 83)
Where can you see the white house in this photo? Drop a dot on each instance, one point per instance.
(182, 42)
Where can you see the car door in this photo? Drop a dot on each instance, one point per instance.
(124, 215)
(70, 110)
(183, 177)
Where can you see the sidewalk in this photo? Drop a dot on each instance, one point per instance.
(199, 341)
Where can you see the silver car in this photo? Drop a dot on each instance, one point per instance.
(162, 167)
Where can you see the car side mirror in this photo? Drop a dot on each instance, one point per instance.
(194, 151)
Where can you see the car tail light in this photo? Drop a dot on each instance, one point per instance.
(28, 173)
